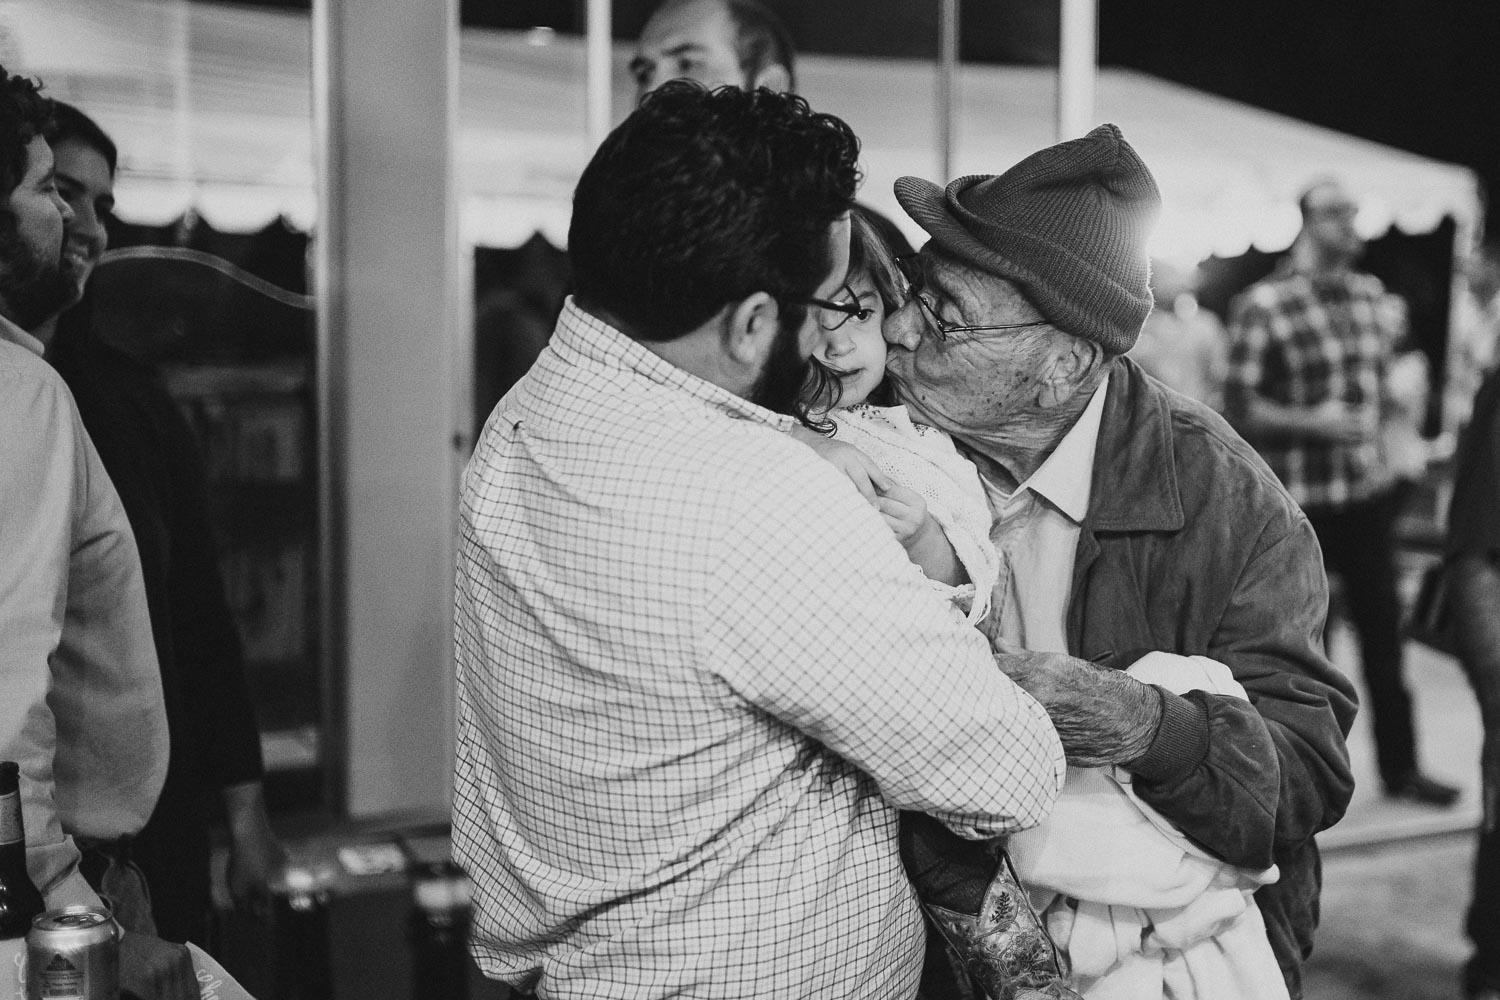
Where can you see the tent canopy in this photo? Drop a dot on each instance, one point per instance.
(212, 109)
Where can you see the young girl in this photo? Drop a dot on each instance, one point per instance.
(928, 493)
(932, 498)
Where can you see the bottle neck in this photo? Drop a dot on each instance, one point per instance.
(12, 830)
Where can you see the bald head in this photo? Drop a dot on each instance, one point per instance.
(740, 43)
(1328, 232)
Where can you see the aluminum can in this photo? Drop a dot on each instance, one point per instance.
(73, 954)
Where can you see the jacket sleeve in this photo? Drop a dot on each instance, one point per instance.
(1245, 779)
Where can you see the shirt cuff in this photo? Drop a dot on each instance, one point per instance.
(1179, 745)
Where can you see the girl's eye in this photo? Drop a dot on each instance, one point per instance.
(864, 314)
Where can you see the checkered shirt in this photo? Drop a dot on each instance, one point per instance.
(697, 675)
(1301, 340)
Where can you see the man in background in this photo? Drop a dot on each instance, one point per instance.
(1310, 354)
(738, 43)
(1181, 343)
(1473, 553)
(741, 43)
(153, 459)
(82, 710)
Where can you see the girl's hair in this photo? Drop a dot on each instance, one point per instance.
(869, 254)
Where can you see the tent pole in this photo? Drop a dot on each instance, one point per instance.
(947, 69)
(388, 306)
(599, 36)
(1077, 67)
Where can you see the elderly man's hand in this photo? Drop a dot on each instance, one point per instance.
(153, 969)
(1102, 716)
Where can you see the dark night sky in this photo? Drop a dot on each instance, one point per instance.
(1422, 75)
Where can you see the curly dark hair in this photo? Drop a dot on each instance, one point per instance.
(69, 123)
(24, 115)
(701, 198)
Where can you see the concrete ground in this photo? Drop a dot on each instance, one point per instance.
(1397, 876)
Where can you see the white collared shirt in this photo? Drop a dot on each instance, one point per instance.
(1035, 532)
(81, 704)
(697, 675)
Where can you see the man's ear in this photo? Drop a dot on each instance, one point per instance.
(1067, 371)
(750, 329)
(773, 77)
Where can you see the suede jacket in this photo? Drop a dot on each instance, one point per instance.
(1192, 546)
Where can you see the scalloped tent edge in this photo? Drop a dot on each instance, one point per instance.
(234, 99)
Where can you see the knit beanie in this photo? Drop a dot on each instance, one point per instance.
(1068, 225)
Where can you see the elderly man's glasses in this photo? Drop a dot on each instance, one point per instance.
(910, 266)
(843, 311)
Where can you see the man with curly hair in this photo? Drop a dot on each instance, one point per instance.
(695, 669)
(82, 709)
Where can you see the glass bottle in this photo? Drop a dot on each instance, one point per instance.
(20, 901)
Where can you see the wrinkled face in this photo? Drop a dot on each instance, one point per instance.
(85, 183)
(33, 284)
(971, 383)
(693, 41)
(853, 347)
(1330, 223)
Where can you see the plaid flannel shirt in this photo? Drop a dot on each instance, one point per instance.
(1302, 340)
(697, 675)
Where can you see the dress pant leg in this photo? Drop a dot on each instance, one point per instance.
(1483, 923)
(1358, 543)
(173, 850)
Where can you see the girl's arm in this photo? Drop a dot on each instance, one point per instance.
(904, 509)
(919, 533)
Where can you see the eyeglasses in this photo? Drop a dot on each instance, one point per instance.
(910, 266)
(847, 310)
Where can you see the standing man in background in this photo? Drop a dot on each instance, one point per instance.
(82, 710)
(1473, 554)
(1310, 349)
(741, 43)
(738, 43)
(153, 459)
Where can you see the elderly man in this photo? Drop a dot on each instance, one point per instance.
(697, 675)
(1128, 518)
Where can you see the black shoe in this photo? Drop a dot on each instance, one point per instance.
(1414, 786)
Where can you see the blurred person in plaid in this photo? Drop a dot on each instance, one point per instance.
(1313, 385)
(697, 675)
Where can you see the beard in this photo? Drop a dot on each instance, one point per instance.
(780, 387)
(32, 287)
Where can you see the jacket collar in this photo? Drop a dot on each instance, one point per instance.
(1135, 470)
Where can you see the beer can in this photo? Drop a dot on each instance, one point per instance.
(73, 954)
